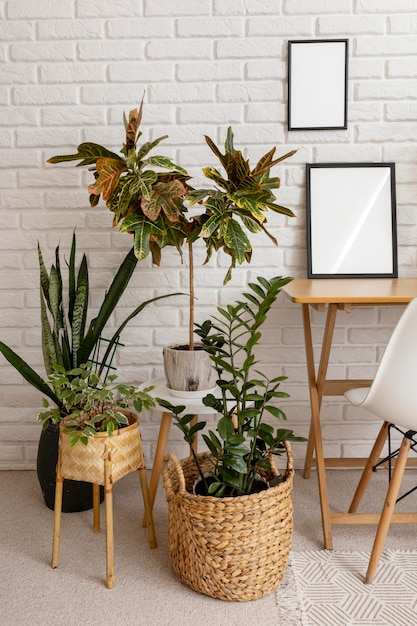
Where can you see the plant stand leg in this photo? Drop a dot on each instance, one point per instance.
(194, 421)
(148, 518)
(96, 508)
(59, 488)
(159, 457)
(108, 498)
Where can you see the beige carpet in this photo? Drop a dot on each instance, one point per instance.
(147, 592)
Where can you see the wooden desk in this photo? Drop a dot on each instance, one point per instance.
(335, 294)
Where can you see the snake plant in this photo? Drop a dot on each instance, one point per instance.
(67, 340)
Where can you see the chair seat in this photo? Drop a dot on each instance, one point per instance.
(357, 396)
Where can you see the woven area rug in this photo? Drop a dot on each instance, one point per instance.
(331, 591)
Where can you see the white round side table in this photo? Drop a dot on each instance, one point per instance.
(192, 406)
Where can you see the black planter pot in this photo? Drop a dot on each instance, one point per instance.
(78, 496)
(199, 488)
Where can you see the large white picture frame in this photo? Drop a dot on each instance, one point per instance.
(351, 220)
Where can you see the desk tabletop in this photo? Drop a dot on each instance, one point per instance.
(352, 290)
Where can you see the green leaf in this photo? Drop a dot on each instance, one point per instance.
(79, 316)
(235, 462)
(28, 373)
(163, 198)
(225, 428)
(109, 172)
(71, 279)
(88, 153)
(110, 302)
(49, 342)
(273, 410)
(127, 320)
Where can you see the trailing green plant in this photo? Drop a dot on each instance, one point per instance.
(89, 405)
(67, 339)
(243, 441)
(146, 194)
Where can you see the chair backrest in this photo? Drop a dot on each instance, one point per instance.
(393, 394)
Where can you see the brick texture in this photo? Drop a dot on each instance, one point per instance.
(68, 71)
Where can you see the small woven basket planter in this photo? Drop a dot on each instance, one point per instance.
(86, 463)
(228, 548)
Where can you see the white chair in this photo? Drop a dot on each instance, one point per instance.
(393, 398)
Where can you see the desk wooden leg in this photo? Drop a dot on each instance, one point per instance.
(316, 393)
(322, 370)
(159, 457)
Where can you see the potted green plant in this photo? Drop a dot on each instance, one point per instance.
(147, 193)
(89, 405)
(214, 557)
(69, 341)
(97, 414)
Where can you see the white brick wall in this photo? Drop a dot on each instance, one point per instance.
(68, 70)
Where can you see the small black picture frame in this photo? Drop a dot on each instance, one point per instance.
(351, 220)
(317, 84)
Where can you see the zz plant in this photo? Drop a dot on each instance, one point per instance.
(243, 440)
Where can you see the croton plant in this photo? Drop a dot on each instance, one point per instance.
(148, 195)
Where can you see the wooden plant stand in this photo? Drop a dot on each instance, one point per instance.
(102, 462)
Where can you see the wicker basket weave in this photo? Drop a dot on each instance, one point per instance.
(86, 463)
(228, 548)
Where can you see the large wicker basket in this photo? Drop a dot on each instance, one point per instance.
(86, 463)
(228, 548)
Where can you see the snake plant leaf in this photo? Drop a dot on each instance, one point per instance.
(109, 172)
(55, 298)
(71, 279)
(127, 320)
(110, 301)
(44, 277)
(80, 312)
(28, 373)
(88, 153)
(50, 345)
